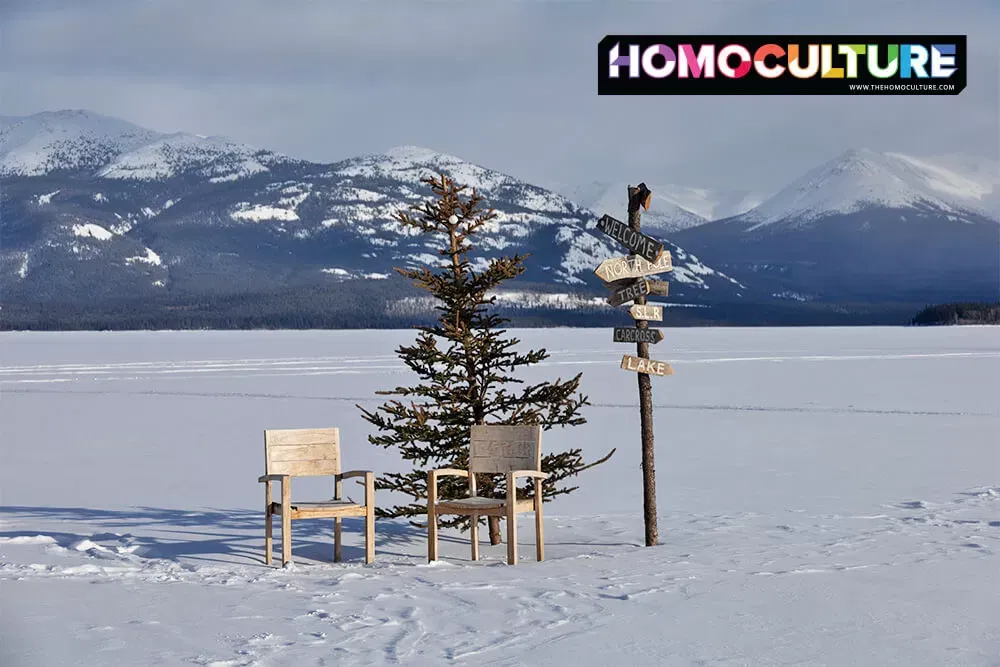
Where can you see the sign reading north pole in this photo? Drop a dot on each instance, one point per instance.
(621, 268)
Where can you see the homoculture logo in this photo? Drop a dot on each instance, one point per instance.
(781, 65)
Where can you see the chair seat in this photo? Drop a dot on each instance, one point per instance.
(478, 504)
(324, 508)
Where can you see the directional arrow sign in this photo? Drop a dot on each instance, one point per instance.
(640, 365)
(633, 291)
(618, 284)
(646, 312)
(659, 287)
(640, 244)
(634, 335)
(619, 268)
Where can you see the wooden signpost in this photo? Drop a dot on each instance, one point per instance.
(626, 276)
(634, 335)
(647, 247)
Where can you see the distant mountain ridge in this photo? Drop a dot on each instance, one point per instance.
(77, 140)
(861, 178)
(94, 209)
(98, 208)
(865, 225)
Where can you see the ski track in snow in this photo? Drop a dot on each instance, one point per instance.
(14, 378)
(374, 364)
(402, 609)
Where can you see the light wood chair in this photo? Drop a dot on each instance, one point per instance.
(311, 452)
(515, 451)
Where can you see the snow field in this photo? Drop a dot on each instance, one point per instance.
(826, 497)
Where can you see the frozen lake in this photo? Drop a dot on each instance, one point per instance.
(826, 496)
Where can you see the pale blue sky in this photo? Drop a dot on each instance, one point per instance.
(507, 84)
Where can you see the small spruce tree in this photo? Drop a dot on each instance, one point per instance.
(466, 365)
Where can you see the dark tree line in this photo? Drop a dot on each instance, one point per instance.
(959, 313)
(337, 308)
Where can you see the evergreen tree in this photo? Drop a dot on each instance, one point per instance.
(466, 365)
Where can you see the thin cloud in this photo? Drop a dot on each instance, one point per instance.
(508, 85)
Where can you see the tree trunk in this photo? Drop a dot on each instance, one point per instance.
(495, 535)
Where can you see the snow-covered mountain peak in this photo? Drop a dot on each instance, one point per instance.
(862, 178)
(409, 164)
(106, 147)
(977, 184)
(66, 140)
(216, 158)
(414, 154)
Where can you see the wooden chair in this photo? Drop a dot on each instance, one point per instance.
(310, 452)
(515, 451)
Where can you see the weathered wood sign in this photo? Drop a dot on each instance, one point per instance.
(645, 312)
(633, 291)
(648, 366)
(659, 287)
(649, 248)
(620, 268)
(618, 284)
(502, 447)
(633, 335)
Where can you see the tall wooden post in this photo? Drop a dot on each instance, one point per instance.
(638, 198)
(626, 277)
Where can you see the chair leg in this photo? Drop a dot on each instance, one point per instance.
(286, 523)
(369, 519)
(474, 530)
(539, 532)
(432, 533)
(268, 529)
(432, 521)
(511, 525)
(336, 539)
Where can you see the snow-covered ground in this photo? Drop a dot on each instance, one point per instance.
(826, 497)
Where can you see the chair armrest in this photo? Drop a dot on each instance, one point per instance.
(537, 474)
(354, 473)
(455, 472)
(432, 478)
(273, 478)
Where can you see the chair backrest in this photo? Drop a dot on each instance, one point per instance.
(500, 448)
(302, 452)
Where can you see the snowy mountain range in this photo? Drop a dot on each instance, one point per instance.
(96, 208)
(865, 225)
(860, 179)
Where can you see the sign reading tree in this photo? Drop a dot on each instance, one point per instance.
(466, 366)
